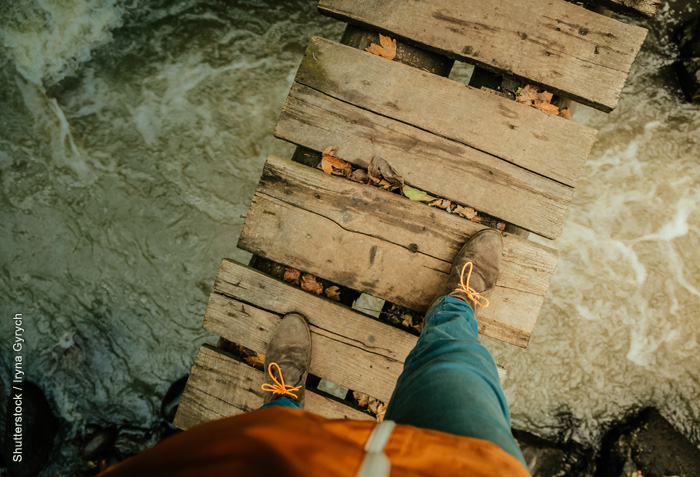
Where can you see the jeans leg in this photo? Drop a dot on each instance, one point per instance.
(283, 401)
(450, 381)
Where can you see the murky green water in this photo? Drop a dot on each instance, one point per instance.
(132, 136)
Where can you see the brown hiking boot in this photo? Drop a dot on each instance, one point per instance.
(287, 359)
(474, 283)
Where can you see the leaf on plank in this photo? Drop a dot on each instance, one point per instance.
(333, 293)
(385, 49)
(309, 283)
(257, 360)
(333, 165)
(359, 175)
(466, 212)
(416, 194)
(292, 275)
(378, 170)
(441, 204)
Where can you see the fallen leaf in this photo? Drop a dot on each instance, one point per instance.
(419, 326)
(379, 169)
(531, 95)
(407, 320)
(416, 194)
(333, 293)
(362, 399)
(291, 275)
(548, 108)
(381, 412)
(359, 175)
(565, 113)
(309, 283)
(466, 212)
(476, 219)
(257, 360)
(333, 165)
(386, 48)
(441, 203)
(501, 226)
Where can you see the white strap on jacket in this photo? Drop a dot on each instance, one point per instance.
(376, 463)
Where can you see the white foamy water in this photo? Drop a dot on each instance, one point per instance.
(132, 137)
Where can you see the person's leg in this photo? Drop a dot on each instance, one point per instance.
(284, 402)
(450, 381)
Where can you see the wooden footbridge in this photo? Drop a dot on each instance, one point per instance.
(509, 164)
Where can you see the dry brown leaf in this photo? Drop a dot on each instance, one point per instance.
(419, 326)
(466, 212)
(333, 165)
(309, 283)
(441, 203)
(548, 108)
(381, 412)
(565, 113)
(359, 175)
(407, 320)
(531, 95)
(379, 169)
(501, 226)
(291, 275)
(333, 293)
(362, 399)
(476, 219)
(257, 360)
(385, 49)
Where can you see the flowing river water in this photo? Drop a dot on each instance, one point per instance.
(133, 134)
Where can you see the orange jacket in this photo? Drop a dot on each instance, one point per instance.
(281, 441)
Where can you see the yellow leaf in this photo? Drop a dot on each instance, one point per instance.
(257, 360)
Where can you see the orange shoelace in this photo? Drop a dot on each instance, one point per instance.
(472, 294)
(279, 387)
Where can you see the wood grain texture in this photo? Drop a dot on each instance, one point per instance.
(348, 347)
(385, 245)
(220, 386)
(443, 167)
(570, 50)
(531, 139)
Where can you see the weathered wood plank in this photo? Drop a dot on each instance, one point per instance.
(547, 145)
(427, 161)
(372, 241)
(570, 50)
(220, 386)
(349, 348)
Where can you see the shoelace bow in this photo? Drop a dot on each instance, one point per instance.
(279, 387)
(472, 294)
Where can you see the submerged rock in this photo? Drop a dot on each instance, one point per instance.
(550, 459)
(649, 443)
(172, 398)
(98, 442)
(688, 66)
(29, 440)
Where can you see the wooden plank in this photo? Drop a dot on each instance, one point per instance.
(371, 240)
(427, 161)
(220, 386)
(570, 50)
(348, 347)
(531, 139)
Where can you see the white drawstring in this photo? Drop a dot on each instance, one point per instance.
(376, 463)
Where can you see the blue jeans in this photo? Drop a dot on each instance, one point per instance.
(450, 381)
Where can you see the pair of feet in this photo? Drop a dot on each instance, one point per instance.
(288, 357)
